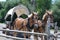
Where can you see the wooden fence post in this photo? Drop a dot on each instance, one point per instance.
(55, 29)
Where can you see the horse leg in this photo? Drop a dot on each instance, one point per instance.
(24, 35)
(42, 37)
(24, 29)
(7, 26)
(14, 33)
(45, 37)
(35, 37)
(29, 36)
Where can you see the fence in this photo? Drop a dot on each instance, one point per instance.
(53, 36)
(43, 34)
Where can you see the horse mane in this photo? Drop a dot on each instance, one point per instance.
(46, 14)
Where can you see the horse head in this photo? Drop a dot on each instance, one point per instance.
(33, 17)
(48, 17)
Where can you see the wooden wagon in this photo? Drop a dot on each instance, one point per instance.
(19, 10)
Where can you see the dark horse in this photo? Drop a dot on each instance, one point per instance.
(42, 23)
(27, 24)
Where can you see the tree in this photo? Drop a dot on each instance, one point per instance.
(0, 6)
(56, 11)
(38, 5)
(42, 5)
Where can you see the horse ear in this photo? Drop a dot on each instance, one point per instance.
(46, 10)
(51, 12)
(32, 13)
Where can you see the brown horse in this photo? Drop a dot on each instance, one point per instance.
(42, 23)
(26, 25)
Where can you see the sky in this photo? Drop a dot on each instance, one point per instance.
(2, 0)
(53, 1)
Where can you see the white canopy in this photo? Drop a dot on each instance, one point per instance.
(20, 9)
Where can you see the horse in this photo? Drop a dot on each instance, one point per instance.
(27, 24)
(42, 23)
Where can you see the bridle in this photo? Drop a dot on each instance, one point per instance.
(28, 25)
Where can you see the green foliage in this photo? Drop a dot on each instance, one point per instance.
(24, 16)
(40, 6)
(0, 6)
(56, 11)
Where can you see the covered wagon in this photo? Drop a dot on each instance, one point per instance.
(15, 12)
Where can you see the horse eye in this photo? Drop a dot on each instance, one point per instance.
(36, 18)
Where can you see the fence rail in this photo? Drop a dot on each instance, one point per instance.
(32, 33)
(24, 32)
(43, 34)
(13, 37)
(56, 35)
